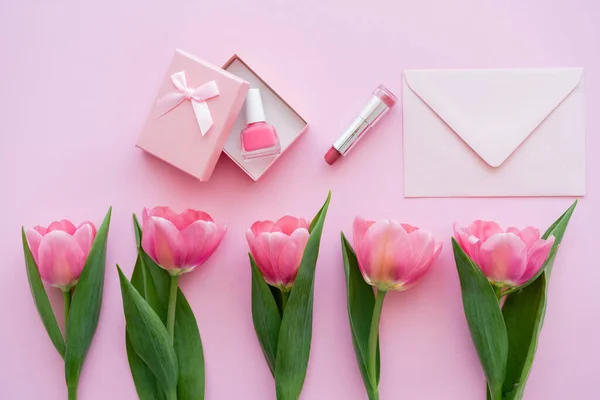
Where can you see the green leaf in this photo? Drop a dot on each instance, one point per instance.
(484, 317)
(138, 231)
(265, 315)
(149, 337)
(190, 356)
(85, 306)
(146, 385)
(295, 334)
(40, 298)
(361, 301)
(161, 281)
(154, 275)
(524, 313)
(558, 229)
(145, 382)
(142, 280)
(161, 278)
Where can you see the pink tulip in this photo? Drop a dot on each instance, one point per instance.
(277, 248)
(393, 256)
(507, 258)
(179, 243)
(60, 251)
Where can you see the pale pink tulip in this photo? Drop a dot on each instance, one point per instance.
(393, 256)
(277, 248)
(179, 243)
(507, 258)
(60, 251)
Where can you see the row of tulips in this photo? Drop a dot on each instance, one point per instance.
(503, 275)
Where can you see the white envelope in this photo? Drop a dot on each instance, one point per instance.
(516, 132)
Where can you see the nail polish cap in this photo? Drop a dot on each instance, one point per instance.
(254, 107)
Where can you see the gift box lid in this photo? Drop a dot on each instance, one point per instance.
(179, 129)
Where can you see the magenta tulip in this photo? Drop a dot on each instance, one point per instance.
(277, 248)
(507, 258)
(393, 256)
(60, 251)
(179, 243)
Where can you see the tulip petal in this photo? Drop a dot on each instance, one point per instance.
(469, 243)
(423, 244)
(417, 274)
(162, 242)
(200, 239)
(162, 212)
(289, 224)
(422, 249)
(276, 243)
(265, 249)
(145, 214)
(264, 226)
(190, 216)
(91, 224)
(261, 256)
(34, 238)
(529, 235)
(385, 253)
(360, 228)
(84, 236)
(460, 234)
(536, 257)
(41, 229)
(61, 260)
(503, 258)
(62, 225)
(483, 230)
(290, 256)
(409, 228)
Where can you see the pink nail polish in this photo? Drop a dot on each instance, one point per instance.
(258, 139)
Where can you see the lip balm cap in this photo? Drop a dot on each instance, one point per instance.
(255, 111)
(385, 95)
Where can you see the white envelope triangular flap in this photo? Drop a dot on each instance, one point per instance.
(493, 111)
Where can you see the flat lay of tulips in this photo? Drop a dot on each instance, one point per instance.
(503, 273)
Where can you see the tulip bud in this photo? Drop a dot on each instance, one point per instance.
(507, 258)
(277, 248)
(393, 256)
(60, 251)
(179, 243)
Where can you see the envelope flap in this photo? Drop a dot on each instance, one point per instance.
(493, 111)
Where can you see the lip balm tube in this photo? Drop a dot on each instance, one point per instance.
(378, 105)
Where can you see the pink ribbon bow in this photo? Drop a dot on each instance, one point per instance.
(196, 96)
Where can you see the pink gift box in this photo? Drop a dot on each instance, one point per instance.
(176, 135)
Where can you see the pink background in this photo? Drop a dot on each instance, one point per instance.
(76, 84)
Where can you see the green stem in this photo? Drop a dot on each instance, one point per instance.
(498, 291)
(172, 305)
(72, 390)
(285, 295)
(373, 339)
(67, 301)
(497, 395)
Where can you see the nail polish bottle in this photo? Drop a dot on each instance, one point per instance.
(258, 139)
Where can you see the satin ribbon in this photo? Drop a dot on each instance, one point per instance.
(196, 96)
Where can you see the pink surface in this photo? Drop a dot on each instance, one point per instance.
(76, 82)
